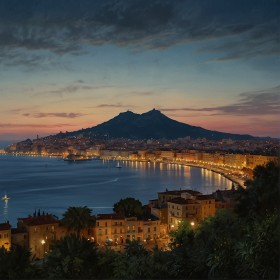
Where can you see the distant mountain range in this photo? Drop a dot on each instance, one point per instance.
(152, 125)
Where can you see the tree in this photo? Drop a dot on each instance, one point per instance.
(214, 245)
(106, 263)
(160, 261)
(262, 193)
(135, 248)
(182, 236)
(128, 207)
(181, 254)
(77, 219)
(135, 263)
(15, 264)
(258, 250)
(72, 257)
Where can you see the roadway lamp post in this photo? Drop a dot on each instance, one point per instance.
(43, 242)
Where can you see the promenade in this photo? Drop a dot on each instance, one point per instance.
(233, 174)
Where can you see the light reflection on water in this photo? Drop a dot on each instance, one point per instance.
(52, 185)
(5, 210)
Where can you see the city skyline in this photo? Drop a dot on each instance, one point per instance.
(76, 64)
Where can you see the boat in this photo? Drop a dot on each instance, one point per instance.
(5, 197)
(118, 165)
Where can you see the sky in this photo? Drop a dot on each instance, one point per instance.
(68, 64)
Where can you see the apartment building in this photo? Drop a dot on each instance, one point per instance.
(110, 229)
(253, 160)
(167, 155)
(151, 229)
(191, 210)
(114, 229)
(41, 231)
(133, 229)
(164, 197)
(5, 235)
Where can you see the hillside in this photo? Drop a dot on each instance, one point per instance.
(152, 124)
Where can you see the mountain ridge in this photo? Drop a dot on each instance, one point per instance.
(152, 125)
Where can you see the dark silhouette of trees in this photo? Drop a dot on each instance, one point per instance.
(77, 219)
(72, 257)
(16, 264)
(258, 250)
(129, 207)
(262, 192)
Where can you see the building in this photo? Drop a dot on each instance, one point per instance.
(5, 235)
(41, 231)
(133, 229)
(167, 156)
(164, 197)
(151, 229)
(253, 160)
(110, 229)
(193, 210)
(20, 237)
(116, 230)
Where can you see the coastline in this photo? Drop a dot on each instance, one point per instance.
(227, 173)
(223, 172)
(240, 182)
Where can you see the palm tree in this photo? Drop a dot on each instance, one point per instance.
(77, 219)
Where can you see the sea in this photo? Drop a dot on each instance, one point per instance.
(52, 185)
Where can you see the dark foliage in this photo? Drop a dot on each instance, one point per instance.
(129, 207)
(72, 257)
(261, 194)
(77, 219)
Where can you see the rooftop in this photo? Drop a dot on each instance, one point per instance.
(179, 192)
(39, 220)
(205, 197)
(109, 217)
(182, 201)
(18, 230)
(5, 226)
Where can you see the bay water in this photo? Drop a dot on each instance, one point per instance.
(52, 185)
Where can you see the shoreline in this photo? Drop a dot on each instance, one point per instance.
(223, 172)
(234, 179)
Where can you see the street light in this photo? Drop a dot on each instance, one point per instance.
(192, 224)
(43, 242)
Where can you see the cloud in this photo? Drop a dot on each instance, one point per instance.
(73, 88)
(137, 93)
(22, 125)
(114, 106)
(144, 93)
(56, 115)
(80, 81)
(262, 102)
(70, 89)
(231, 29)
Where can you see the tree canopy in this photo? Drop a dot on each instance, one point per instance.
(77, 218)
(129, 207)
(72, 257)
(262, 192)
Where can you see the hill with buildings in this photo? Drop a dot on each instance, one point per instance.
(152, 125)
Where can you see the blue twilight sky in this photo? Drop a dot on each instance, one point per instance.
(69, 64)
